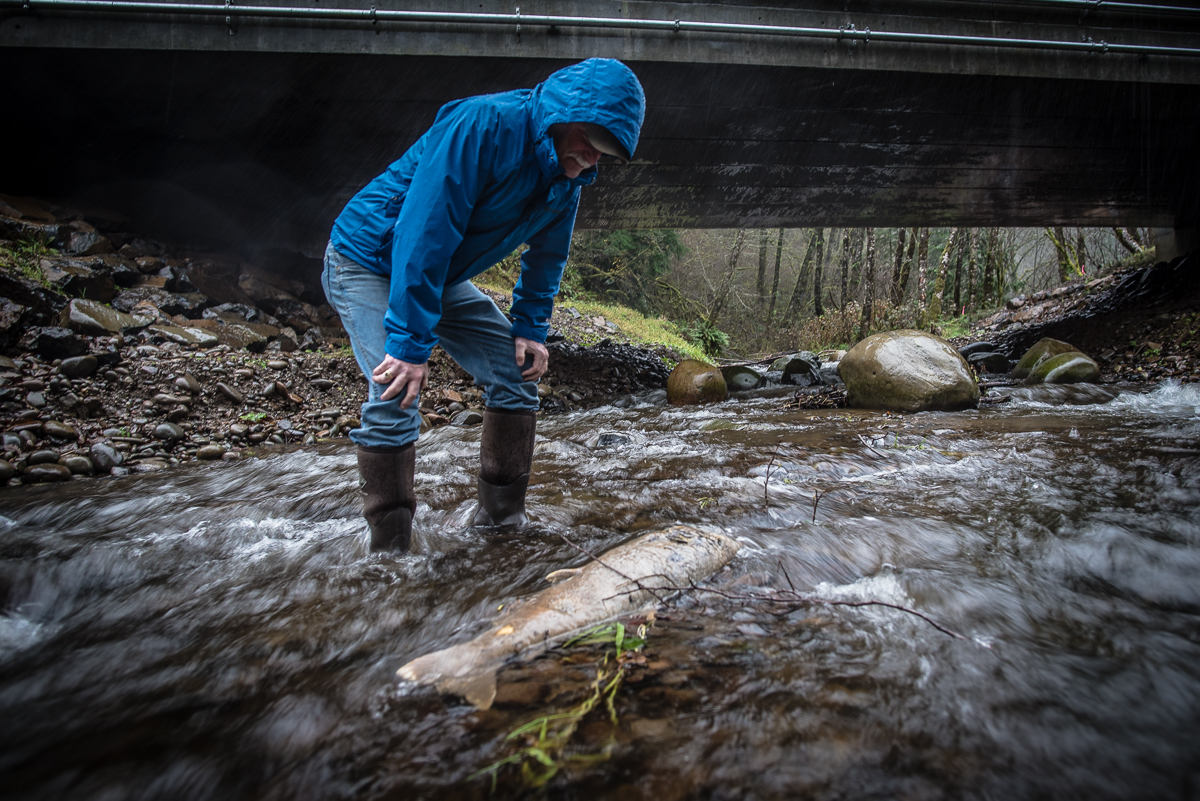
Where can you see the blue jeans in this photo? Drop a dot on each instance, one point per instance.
(472, 330)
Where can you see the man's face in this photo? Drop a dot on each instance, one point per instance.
(575, 153)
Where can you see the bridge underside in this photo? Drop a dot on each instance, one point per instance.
(262, 149)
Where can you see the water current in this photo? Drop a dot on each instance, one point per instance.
(220, 631)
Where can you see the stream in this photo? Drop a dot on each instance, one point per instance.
(219, 631)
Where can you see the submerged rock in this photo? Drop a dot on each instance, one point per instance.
(803, 369)
(694, 382)
(1065, 368)
(1043, 349)
(907, 371)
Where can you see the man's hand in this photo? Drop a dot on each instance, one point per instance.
(401, 377)
(541, 357)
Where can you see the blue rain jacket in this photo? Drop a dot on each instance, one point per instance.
(481, 181)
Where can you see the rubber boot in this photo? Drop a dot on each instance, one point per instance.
(505, 456)
(386, 480)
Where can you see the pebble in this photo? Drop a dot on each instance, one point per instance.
(79, 366)
(209, 452)
(32, 385)
(35, 399)
(46, 472)
(231, 393)
(277, 364)
(10, 442)
(7, 471)
(112, 375)
(238, 429)
(149, 369)
(323, 384)
(177, 414)
(78, 465)
(43, 457)
(169, 432)
(188, 383)
(469, 417)
(53, 428)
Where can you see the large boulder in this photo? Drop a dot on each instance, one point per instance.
(1065, 368)
(907, 371)
(803, 369)
(696, 382)
(1042, 349)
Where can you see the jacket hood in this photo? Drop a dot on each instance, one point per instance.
(599, 90)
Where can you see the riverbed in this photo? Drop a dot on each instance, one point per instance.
(220, 630)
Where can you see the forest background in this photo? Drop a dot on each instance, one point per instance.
(743, 292)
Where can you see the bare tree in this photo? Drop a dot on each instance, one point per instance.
(794, 303)
(735, 253)
(764, 245)
(819, 264)
(939, 285)
(922, 276)
(845, 266)
(775, 280)
(864, 328)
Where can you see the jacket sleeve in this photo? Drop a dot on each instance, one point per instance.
(445, 187)
(541, 272)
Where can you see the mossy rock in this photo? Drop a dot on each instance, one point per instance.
(908, 371)
(693, 382)
(1065, 368)
(1042, 349)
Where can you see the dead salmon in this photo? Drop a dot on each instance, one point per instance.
(621, 582)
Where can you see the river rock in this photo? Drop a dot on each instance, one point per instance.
(195, 337)
(78, 465)
(966, 351)
(741, 378)
(36, 399)
(105, 457)
(188, 383)
(239, 336)
(79, 366)
(59, 430)
(1043, 349)
(231, 393)
(7, 471)
(210, 452)
(988, 362)
(42, 457)
(907, 371)
(693, 382)
(468, 417)
(169, 432)
(802, 369)
(75, 278)
(46, 472)
(53, 342)
(1065, 368)
(96, 319)
(166, 302)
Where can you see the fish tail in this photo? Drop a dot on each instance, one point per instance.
(460, 670)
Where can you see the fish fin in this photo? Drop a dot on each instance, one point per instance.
(479, 687)
(461, 670)
(562, 575)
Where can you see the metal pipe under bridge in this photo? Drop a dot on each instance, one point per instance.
(254, 122)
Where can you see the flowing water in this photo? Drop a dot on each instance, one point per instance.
(220, 631)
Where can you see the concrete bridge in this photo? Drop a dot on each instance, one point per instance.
(255, 123)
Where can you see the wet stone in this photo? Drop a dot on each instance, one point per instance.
(36, 399)
(177, 414)
(231, 393)
(277, 364)
(79, 366)
(323, 384)
(42, 457)
(53, 428)
(469, 417)
(46, 472)
(188, 383)
(169, 432)
(7, 471)
(32, 385)
(78, 465)
(105, 457)
(210, 452)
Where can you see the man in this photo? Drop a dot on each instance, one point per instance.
(493, 172)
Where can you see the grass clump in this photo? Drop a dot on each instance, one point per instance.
(545, 739)
(24, 258)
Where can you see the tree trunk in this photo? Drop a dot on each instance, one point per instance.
(794, 302)
(856, 264)
(895, 288)
(864, 328)
(819, 264)
(906, 269)
(764, 245)
(775, 280)
(1080, 252)
(735, 253)
(922, 276)
(1063, 251)
(1125, 242)
(845, 265)
(939, 285)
